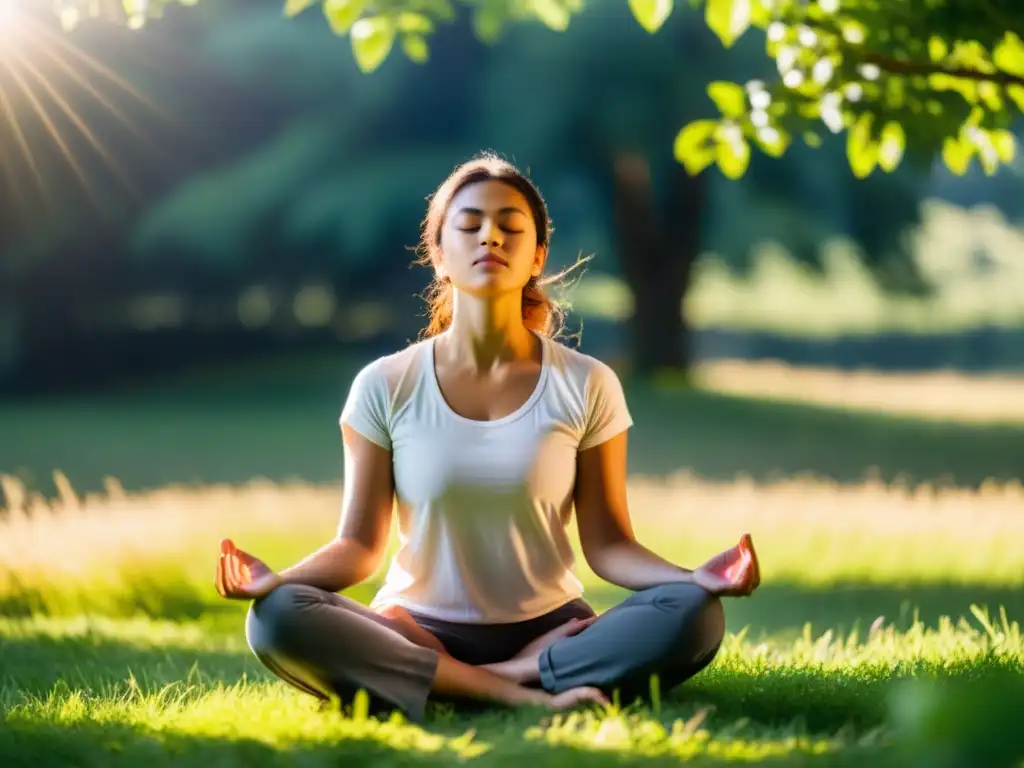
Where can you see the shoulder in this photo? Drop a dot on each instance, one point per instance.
(586, 373)
(596, 393)
(379, 389)
(387, 373)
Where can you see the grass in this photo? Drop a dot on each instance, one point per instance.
(116, 651)
(945, 396)
(279, 421)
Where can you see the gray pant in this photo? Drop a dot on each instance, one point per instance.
(330, 645)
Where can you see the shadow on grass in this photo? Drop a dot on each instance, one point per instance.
(103, 745)
(818, 702)
(35, 665)
(282, 429)
(782, 610)
(146, 596)
(719, 435)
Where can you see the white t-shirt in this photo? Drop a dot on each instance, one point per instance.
(483, 506)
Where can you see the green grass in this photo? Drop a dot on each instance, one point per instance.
(116, 650)
(106, 692)
(278, 420)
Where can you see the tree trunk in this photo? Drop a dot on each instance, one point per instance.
(657, 254)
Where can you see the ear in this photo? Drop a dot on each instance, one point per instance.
(539, 259)
(439, 268)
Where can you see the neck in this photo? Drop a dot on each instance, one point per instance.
(484, 332)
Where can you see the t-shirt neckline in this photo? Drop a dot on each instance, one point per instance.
(435, 387)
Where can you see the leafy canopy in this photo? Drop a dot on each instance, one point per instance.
(914, 78)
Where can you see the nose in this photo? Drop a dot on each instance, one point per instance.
(490, 234)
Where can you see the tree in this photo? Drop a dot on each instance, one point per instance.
(576, 113)
(915, 78)
(608, 120)
(877, 107)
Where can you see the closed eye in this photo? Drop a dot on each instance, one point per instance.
(503, 229)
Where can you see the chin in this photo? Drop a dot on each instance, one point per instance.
(490, 287)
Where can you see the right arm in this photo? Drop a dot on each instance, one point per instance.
(351, 557)
(367, 503)
(356, 551)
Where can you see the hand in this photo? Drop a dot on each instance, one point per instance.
(576, 696)
(240, 576)
(568, 629)
(733, 573)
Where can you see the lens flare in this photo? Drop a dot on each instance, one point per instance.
(48, 84)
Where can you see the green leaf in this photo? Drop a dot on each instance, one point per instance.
(733, 156)
(812, 140)
(730, 98)
(956, 154)
(694, 145)
(415, 23)
(861, 151)
(651, 13)
(372, 40)
(891, 146)
(937, 48)
(342, 14)
(1009, 55)
(773, 141)
(728, 19)
(761, 13)
(990, 94)
(415, 47)
(552, 14)
(293, 8)
(1005, 145)
(442, 10)
(1016, 92)
(989, 160)
(488, 22)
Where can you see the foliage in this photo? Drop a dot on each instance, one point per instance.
(948, 74)
(899, 77)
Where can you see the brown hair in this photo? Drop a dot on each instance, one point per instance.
(540, 312)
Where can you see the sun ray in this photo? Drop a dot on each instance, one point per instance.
(55, 133)
(84, 83)
(77, 121)
(56, 40)
(9, 174)
(19, 135)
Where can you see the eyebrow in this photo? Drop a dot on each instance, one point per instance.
(506, 209)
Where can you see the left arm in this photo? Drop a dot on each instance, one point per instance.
(606, 533)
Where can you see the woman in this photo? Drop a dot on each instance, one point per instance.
(489, 433)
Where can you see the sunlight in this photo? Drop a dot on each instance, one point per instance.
(42, 75)
(8, 23)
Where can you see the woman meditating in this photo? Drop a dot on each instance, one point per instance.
(489, 433)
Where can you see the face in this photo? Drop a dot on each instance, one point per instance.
(489, 240)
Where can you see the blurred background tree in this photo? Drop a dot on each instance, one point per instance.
(270, 180)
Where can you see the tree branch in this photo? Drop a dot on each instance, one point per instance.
(897, 67)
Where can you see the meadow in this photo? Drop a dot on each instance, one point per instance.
(116, 650)
(886, 630)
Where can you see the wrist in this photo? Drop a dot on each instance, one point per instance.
(519, 669)
(530, 697)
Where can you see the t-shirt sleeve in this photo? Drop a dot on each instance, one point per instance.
(367, 409)
(607, 411)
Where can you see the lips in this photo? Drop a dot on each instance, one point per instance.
(491, 258)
